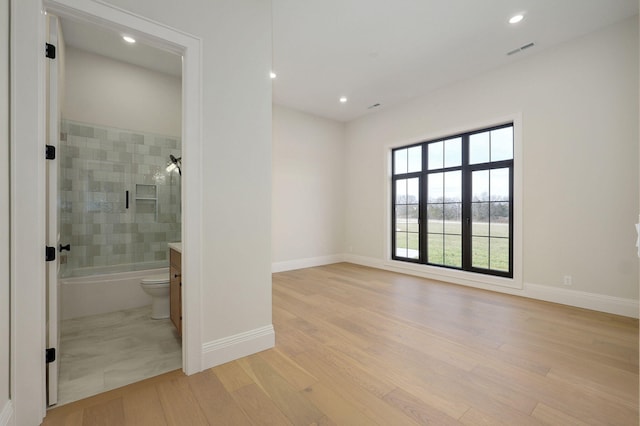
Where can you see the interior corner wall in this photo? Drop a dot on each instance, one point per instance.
(308, 189)
(104, 91)
(236, 162)
(579, 106)
(4, 213)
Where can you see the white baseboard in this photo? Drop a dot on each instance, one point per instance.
(580, 299)
(309, 262)
(6, 415)
(583, 299)
(237, 346)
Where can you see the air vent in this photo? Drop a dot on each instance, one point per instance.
(520, 49)
(374, 106)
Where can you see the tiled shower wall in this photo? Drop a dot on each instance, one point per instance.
(97, 166)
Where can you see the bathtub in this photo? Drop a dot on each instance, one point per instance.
(102, 293)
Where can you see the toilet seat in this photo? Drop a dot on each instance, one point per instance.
(157, 286)
(156, 279)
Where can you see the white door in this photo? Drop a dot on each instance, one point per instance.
(53, 235)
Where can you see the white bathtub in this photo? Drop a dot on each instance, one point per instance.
(100, 294)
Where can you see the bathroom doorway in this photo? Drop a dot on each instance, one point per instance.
(118, 204)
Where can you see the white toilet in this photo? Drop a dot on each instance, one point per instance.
(157, 286)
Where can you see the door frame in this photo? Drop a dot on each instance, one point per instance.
(28, 207)
(52, 115)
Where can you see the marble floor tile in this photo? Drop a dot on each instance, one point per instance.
(103, 352)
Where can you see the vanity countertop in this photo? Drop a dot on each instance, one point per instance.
(176, 246)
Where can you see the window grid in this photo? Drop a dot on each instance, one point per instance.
(456, 228)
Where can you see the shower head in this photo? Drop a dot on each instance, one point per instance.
(175, 163)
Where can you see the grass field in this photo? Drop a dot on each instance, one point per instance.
(489, 244)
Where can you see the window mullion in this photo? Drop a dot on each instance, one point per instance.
(423, 219)
(423, 206)
(466, 205)
(393, 218)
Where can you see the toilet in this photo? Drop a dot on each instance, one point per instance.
(157, 286)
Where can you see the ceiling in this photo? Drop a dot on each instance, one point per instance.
(386, 52)
(90, 37)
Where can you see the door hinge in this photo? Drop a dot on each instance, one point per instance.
(50, 254)
(50, 355)
(50, 152)
(50, 51)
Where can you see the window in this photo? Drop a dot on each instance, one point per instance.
(453, 202)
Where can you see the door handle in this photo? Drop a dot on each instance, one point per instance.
(63, 248)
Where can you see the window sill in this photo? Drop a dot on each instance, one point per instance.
(471, 279)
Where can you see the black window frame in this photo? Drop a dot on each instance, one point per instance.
(466, 171)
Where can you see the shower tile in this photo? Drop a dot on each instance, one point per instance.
(113, 156)
(137, 138)
(100, 133)
(81, 130)
(66, 184)
(84, 240)
(124, 137)
(100, 260)
(94, 186)
(99, 160)
(78, 229)
(120, 228)
(73, 151)
(113, 196)
(92, 250)
(143, 149)
(93, 143)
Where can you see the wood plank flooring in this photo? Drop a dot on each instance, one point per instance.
(360, 346)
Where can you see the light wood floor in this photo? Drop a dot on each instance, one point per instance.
(356, 345)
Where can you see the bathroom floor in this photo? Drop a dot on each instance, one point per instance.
(103, 352)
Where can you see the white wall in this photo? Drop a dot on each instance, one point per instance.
(233, 47)
(579, 105)
(4, 211)
(101, 90)
(236, 93)
(308, 189)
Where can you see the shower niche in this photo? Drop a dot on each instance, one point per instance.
(146, 203)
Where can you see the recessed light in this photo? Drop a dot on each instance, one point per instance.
(272, 75)
(343, 99)
(129, 39)
(515, 19)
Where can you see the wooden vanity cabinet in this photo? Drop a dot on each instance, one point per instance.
(175, 288)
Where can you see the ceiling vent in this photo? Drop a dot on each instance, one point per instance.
(520, 49)
(373, 106)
